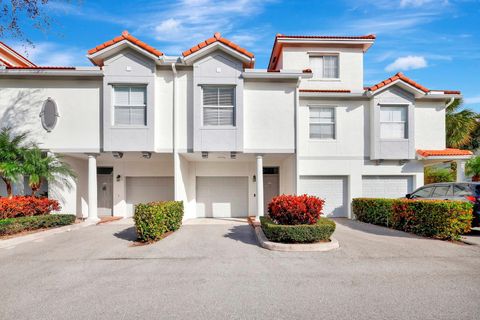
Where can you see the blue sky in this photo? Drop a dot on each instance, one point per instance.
(435, 42)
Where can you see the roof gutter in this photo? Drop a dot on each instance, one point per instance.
(51, 72)
(275, 75)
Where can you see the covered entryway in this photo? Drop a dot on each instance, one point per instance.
(105, 191)
(271, 185)
(333, 189)
(386, 186)
(222, 197)
(148, 189)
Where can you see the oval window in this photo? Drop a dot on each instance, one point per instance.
(49, 114)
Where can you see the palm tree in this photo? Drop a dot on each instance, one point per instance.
(460, 124)
(11, 150)
(40, 167)
(472, 167)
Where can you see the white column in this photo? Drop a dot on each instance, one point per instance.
(92, 189)
(259, 187)
(460, 170)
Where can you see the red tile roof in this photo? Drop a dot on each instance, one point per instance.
(276, 49)
(17, 56)
(365, 37)
(325, 91)
(127, 36)
(398, 76)
(5, 62)
(446, 152)
(42, 67)
(217, 37)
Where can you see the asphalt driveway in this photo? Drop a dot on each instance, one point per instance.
(217, 271)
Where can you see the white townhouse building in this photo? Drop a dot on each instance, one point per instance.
(209, 129)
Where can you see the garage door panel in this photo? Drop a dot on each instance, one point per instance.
(222, 197)
(386, 186)
(148, 189)
(333, 189)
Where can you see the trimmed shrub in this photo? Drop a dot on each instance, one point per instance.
(322, 230)
(23, 206)
(434, 175)
(15, 225)
(429, 218)
(154, 219)
(294, 210)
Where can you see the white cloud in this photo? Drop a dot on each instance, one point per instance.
(472, 100)
(53, 54)
(421, 3)
(407, 63)
(188, 22)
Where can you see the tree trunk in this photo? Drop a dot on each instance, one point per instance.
(8, 185)
(34, 188)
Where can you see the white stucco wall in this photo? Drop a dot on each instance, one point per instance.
(78, 103)
(350, 67)
(430, 125)
(269, 113)
(352, 129)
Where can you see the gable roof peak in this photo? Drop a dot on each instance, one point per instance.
(217, 35)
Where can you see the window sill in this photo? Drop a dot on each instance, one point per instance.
(394, 140)
(128, 127)
(218, 128)
(322, 140)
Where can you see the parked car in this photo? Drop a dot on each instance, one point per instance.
(460, 191)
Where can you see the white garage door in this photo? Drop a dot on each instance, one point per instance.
(147, 189)
(386, 186)
(332, 189)
(222, 197)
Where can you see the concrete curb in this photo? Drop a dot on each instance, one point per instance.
(294, 247)
(39, 236)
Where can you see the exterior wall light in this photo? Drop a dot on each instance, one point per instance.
(254, 178)
(117, 154)
(204, 155)
(146, 154)
(119, 177)
(233, 155)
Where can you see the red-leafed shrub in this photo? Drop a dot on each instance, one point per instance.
(293, 210)
(21, 206)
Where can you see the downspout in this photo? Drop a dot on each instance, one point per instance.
(296, 129)
(176, 159)
(452, 99)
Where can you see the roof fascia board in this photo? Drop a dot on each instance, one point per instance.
(105, 52)
(214, 46)
(45, 72)
(418, 92)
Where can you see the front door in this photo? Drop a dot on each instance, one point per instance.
(105, 191)
(271, 185)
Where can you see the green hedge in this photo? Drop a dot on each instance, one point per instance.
(15, 225)
(300, 233)
(430, 218)
(154, 219)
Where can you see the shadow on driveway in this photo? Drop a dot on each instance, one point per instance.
(128, 234)
(243, 233)
(372, 229)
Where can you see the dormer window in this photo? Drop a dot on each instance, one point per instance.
(130, 107)
(393, 122)
(324, 66)
(218, 106)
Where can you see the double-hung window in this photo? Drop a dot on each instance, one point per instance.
(324, 66)
(218, 106)
(322, 123)
(130, 106)
(393, 122)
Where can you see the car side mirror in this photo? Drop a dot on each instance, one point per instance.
(408, 196)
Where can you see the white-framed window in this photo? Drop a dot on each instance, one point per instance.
(393, 122)
(129, 104)
(322, 122)
(218, 106)
(325, 66)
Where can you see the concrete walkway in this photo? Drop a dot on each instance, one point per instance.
(217, 271)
